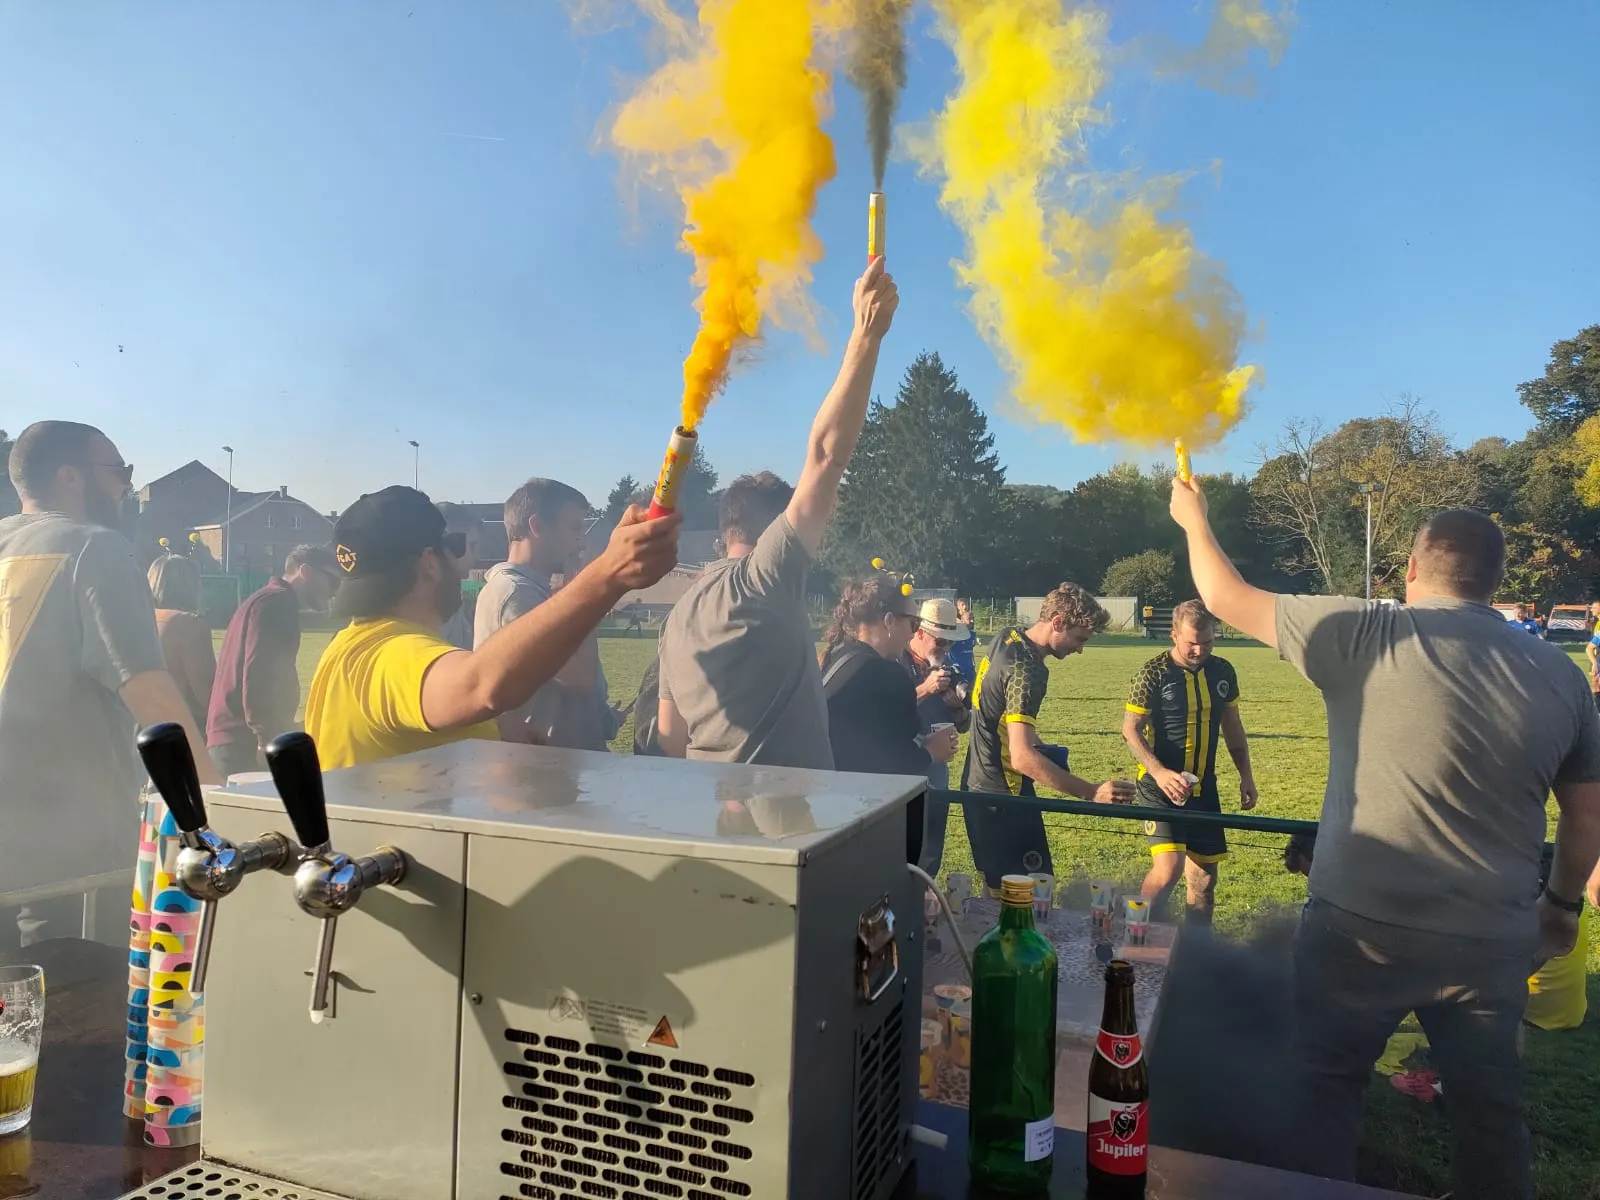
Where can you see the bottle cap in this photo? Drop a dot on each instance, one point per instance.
(1016, 891)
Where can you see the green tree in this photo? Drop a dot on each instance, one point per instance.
(696, 494)
(1150, 575)
(9, 501)
(1568, 392)
(1545, 567)
(924, 488)
(618, 499)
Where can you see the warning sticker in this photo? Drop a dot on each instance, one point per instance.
(663, 1035)
(624, 1023)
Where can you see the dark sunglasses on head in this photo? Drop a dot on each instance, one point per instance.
(455, 545)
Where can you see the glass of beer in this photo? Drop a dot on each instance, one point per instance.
(21, 1028)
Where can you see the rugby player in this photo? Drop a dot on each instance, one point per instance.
(1005, 754)
(1179, 704)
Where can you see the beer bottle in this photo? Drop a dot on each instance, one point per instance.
(1011, 1122)
(1118, 1131)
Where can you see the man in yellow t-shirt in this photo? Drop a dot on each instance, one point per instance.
(390, 684)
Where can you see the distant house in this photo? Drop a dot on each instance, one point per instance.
(262, 528)
(169, 507)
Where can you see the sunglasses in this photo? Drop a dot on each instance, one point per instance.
(455, 545)
(122, 471)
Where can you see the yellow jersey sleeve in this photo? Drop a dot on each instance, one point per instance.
(394, 685)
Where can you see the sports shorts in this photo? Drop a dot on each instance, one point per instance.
(1170, 835)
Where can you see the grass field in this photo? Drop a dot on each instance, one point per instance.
(1406, 1146)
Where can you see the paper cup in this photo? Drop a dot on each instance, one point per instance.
(1138, 919)
(932, 1040)
(948, 995)
(1044, 894)
(961, 1033)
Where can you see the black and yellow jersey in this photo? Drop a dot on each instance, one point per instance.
(1011, 686)
(1185, 709)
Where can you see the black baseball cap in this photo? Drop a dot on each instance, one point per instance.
(386, 529)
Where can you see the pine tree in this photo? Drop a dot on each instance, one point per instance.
(618, 500)
(923, 491)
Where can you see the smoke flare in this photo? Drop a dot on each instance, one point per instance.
(733, 124)
(1108, 320)
(876, 64)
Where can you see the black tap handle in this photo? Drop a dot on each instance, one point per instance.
(297, 773)
(170, 763)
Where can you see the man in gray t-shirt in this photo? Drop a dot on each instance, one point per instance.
(80, 664)
(739, 680)
(1447, 730)
(545, 523)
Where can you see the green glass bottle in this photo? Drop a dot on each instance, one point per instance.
(1011, 1123)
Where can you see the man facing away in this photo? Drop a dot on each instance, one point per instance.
(389, 684)
(1447, 729)
(462, 533)
(1182, 702)
(739, 680)
(257, 688)
(1005, 755)
(80, 670)
(939, 702)
(545, 523)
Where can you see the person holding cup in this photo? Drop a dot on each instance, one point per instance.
(1182, 703)
(944, 701)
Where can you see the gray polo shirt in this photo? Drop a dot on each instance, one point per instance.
(1447, 727)
(76, 624)
(739, 659)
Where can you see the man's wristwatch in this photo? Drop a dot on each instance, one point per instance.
(1569, 906)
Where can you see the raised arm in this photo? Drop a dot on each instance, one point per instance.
(1224, 591)
(837, 427)
(465, 687)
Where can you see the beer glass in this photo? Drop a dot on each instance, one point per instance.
(21, 1028)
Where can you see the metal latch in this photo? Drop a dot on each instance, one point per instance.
(877, 952)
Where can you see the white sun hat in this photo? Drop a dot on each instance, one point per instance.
(939, 620)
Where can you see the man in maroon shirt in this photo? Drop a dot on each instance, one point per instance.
(257, 687)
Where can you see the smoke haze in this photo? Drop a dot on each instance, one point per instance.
(732, 125)
(1107, 318)
(876, 64)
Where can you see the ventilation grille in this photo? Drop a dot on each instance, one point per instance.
(879, 1058)
(599, 1122)
(211, 1181)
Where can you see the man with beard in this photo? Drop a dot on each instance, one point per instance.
(545, 522)
(1182, 703)
(80, 670)
(390, 684)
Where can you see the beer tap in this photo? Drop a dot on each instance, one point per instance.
(209, 866)
(326, 883)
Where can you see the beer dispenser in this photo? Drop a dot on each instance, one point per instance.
(209, 867)
(564, 975)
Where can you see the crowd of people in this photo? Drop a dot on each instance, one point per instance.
(1448, 727)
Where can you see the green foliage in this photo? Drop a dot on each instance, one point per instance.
(1150, 575)
(924, 489)
(1568, 393)
(626, 492)
(1545, 567)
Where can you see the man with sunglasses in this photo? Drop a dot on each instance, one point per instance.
(257, 687)
(390, 684)
(80, 670)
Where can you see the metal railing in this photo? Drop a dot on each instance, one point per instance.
(1133, 812)
(88, 886)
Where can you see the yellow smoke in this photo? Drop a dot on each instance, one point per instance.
(1108, 320)
(1237, 30)
(733, 124)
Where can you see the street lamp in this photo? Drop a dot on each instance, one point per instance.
(416, 466)
(1367, 489)
(227, 520)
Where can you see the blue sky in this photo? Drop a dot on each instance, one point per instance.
(265, 208)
